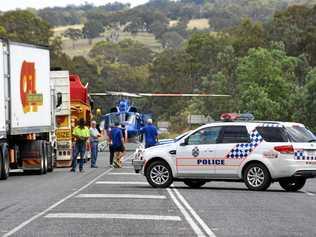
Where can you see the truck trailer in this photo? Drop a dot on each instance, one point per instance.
(27, 107)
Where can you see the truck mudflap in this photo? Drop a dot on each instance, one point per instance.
(33, 156)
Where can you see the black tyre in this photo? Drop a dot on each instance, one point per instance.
(292, 184)
(194, 183)
(50, 160)
(44, 156)
(159, 174)
(257, 177)
(4, 162)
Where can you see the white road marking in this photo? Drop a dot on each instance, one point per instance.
(123, 174)
(133, 196)
(19, 227)
(194, 214)
(122, 183)
(113, 216)
(186, 215)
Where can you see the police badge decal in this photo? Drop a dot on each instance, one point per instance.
(195, 152)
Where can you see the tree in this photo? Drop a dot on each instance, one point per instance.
(296, 28)
(247, 35)
(3, 32)
(306, 103)
(73, 34)
(58, 59)
(170, 73)
(125, 52)
(171, 40)
(134, 53)
(204, 49)
(265, 78)
(104, 52)
(25, 27)
(92, 29)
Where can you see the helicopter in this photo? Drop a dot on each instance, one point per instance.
(126, 114)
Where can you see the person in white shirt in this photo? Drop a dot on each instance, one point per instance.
(94, 142)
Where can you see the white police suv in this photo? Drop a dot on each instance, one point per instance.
(257, 153)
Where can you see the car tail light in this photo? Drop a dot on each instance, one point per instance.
(288, 149)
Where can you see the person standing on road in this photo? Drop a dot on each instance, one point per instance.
(94, 142)
(117, 143)
(81, 134)
(151, 134)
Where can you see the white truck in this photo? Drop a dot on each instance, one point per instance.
(60, 82)
(27, 106)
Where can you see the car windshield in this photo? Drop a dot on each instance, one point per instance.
(181, 136)
(300, 134)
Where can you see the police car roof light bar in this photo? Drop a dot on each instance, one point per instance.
(230, 117)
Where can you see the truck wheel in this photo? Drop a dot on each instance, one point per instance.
(45, 156)
(257, 177)
(292, 184)
(159, 174)
(50, 160)
(194, 183)
(4, 162)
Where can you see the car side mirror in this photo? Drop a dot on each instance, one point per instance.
(59, 99)
(185, 142)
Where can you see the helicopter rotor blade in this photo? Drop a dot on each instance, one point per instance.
(139, 95)
(181, 95)
(114, 93)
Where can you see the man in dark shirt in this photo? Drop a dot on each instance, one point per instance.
(117, 144)
(151, 134)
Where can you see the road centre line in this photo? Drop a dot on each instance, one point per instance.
(122, 183)
(112, 216)
(194, 214)
(132, 196)
(19, 227)
(186, 215)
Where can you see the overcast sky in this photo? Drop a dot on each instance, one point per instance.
(13, 4)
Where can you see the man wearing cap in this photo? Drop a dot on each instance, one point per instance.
(94, 142)
(151, 134)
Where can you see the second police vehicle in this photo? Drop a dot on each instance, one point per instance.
(255, 152)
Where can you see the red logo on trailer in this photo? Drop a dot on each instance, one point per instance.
(30, 99)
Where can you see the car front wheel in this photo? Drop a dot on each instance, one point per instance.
(292, 184)
(159, 174)
(257, 177)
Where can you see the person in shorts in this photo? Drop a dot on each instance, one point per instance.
(117, 144)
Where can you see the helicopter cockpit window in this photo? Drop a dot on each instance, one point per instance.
(130, 118)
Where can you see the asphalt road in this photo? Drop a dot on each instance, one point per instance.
(117, 202)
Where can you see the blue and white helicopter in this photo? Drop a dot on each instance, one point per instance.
(125, 113)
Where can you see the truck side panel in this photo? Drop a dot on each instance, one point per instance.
(61, 84)
(2, 93)
(30, 89)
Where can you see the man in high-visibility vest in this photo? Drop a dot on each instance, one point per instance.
(81, 134)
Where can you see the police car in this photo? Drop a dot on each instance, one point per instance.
(255, 152)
